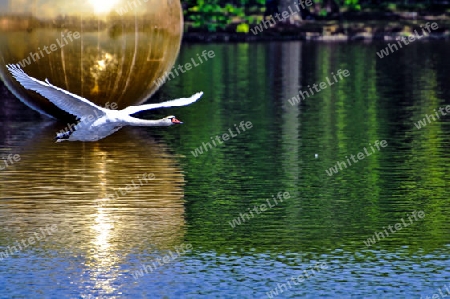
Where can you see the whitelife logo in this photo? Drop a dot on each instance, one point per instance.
(284, 15)
(360, 157)
(44, 233)
(129, 188)
(9, 161)
(53, 47)
(440, 295)
(198, 151)
(319, 87)
(398, 226)
(84, 120)
(259, 209)
(184, 248)
(423, 123)
(187, 67)
(406, 41)
(130, 5)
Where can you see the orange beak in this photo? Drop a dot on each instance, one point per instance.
(176, 121)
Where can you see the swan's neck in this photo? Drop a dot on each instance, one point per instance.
(148, 123)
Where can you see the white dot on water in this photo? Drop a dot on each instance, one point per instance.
(316, 156)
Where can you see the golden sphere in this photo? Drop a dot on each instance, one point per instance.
(108, 51)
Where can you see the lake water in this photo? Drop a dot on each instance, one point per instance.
(142, 214)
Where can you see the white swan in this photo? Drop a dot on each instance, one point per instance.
(95, 122)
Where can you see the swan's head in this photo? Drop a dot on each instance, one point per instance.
(172, 120)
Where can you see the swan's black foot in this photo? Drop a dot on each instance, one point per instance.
(63, 136)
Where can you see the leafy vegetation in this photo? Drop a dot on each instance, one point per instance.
(213, 16)
(218, 15)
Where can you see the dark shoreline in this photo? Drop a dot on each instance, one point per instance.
(327, 31)
(235, 37)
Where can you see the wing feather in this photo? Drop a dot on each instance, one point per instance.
(173, 103)
(63, 99)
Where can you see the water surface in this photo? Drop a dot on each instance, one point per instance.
(102, 239)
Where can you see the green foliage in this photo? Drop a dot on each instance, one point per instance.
(216, 15)
(350, 4)
(210, 15)
(244, 28)
(392, 6)
(323, 12)
(353, 4)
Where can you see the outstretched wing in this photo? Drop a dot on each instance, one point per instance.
(173, 103)
(63, 99)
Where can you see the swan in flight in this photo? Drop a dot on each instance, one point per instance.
(95, 122)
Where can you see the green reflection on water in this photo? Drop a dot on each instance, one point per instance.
(380, 100)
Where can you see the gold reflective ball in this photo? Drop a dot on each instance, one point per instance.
(108, 51)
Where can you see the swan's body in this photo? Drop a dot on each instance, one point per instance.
(95, 122)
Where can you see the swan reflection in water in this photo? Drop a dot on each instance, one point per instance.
(67, 185)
